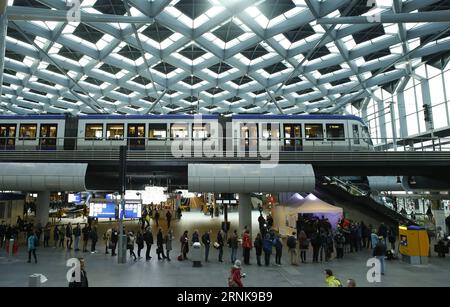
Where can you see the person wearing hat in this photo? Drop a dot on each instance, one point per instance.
(235, 276)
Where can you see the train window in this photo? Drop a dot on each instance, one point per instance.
(157, 131)
(335, 132)
(270, 131)
(114, 131)
(366, 135)
(201, 131)
(27, 132)
(313, 131)
(93, 132)
(179, 131)
(355, 134)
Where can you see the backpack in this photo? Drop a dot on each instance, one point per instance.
(291, 242)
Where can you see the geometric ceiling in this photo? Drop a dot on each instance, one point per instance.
(211, 56)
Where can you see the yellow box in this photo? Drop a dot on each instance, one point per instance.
(414, 241)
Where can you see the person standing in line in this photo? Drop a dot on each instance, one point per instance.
(107, 239)
(130, 244)
(169, 238)
(168, 218)
(69, 233)
(157, 217)
(339, 241)
(246, 246)
(140, 243)
(258, 248)
(114, 239)
(94, 237)
(32, 242)
(292, 248)
(62, 234)
(267, 248)
(373, 239)
(56, 235)
(278, 249)
(2, 233)
(77, 234)
(47, 231)
(179, 214)
(233, 244)
(304, 245)
(220, 242)
(392, 236)
(85, 232)
(195, 237)
(160, 245)
(323, 245)
(184, 241)
(206, 240)
(148, 239)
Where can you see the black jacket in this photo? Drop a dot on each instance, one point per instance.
(206, 239)
(77, 232)
(159, 238)
(148, 237)
(220, 239)
(83, 283)
(258, 244)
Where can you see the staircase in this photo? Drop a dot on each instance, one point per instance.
(335, 191)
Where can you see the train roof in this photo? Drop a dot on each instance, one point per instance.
(300, 117)
(26, 117)
(109, 116)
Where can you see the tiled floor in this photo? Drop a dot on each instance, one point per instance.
(103, 270)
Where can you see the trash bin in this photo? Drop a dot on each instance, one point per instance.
(36, 280)
(196, 254)
(11, 247)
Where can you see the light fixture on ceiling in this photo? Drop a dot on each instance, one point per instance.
(412, 180)
(398, 179)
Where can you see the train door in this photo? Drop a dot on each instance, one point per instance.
(48, 135)
(136, 136)
(7, 136)
(293, 137)
(249, 137)
(355, 134)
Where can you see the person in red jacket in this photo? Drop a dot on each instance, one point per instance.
(247, 246)
(235, 277)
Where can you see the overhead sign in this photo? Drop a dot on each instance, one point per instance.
(102, 209)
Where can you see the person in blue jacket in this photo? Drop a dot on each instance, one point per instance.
(267, 248)
(32, 242)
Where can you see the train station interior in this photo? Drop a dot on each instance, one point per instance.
(224, 143)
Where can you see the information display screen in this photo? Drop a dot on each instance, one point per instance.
(102, 210)
(74, 198)
(133, 209)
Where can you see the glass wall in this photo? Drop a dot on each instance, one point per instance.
(379, 113)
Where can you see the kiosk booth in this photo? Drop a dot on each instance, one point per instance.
(414, 244)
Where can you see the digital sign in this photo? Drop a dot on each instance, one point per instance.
(102, 210)
(133, 209)
(74, 198)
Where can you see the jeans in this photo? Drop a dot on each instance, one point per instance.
(247, 255)
(140, 247)
(69, 243)
(381, 258)
(278, 256)
(322, 250)
(206, 252)
(34, 255)
(220, 253)
(85, 244)
(93, 245)
(233, 254)
(77, 239)
(258, 259)
(132, 253)
(46, 241)
(160, 251)
(113, 249)
(147, 252)
(303, 256)
(316, 253)
(293, 256)
(267, 258)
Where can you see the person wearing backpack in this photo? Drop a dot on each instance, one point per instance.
(246, 246)
(292, 248)
(331, 280)
(304, 245)
(258, 244)
(206, 240)
(278, 249)
(31, 244)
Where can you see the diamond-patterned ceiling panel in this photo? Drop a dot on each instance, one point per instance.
(226, 58)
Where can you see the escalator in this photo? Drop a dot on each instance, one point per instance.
(340, 195)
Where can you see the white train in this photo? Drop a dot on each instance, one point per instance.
(146, 132)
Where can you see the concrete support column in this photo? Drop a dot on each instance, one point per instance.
(42, 208)
(245, 212)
